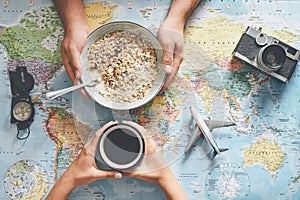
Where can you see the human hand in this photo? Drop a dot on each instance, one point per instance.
(74, 40)
(153, 168)
(84, 170)
(171, 38)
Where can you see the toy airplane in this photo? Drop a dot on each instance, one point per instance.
(204, 127)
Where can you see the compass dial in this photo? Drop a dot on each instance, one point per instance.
(22, 111)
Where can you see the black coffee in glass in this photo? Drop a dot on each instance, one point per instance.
(121, 146)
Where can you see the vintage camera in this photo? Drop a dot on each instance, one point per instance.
(267, 53)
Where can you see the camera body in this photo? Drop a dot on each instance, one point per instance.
(267, 54)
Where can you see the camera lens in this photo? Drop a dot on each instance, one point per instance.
(272, 57)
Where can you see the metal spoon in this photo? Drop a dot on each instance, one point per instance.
(54, 94)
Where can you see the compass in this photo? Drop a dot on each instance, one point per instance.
(22, 111)
(22, 107)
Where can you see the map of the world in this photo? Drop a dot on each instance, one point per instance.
(264, 145)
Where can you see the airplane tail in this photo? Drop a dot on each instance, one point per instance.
(214, 152)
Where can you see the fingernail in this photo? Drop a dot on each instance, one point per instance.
(118, 176)
(169, 69)
(77, 74)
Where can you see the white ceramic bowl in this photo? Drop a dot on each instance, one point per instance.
(88, 75)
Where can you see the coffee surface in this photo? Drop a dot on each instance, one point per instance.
(121, 146)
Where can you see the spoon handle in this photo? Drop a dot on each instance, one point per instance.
(54, 94)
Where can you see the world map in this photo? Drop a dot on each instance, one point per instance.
(263, 157)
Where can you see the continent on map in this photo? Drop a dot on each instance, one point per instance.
(227, 76)
(98, 13)
(223, 76)
(200, 82)
(178, 91)
(26, 179)
(157, 116)
(283, 35)
(227, 181)
(35, 43)
(65, 133)
(212, 35)
(265, 153)
(38, 36)
(40, 71)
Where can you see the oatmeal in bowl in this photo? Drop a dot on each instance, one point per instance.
(126, 60)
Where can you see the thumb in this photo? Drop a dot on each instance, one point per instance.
(168, 61)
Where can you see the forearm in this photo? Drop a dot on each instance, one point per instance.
(171, 187)
(71, 13)
(62, 188)
(180, 11)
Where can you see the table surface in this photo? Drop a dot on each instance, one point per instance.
(263, 157)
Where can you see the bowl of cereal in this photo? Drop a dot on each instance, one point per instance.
(125, 59)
